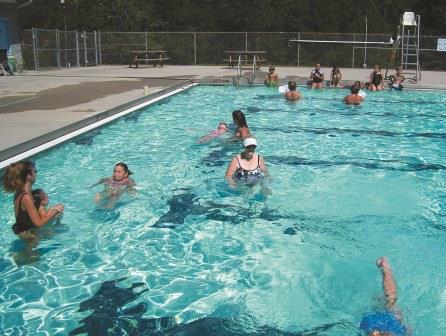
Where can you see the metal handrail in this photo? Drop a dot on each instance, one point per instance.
(254, 67)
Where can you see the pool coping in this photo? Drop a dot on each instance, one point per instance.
(53, 138)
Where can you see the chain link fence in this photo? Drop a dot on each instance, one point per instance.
(49, 49)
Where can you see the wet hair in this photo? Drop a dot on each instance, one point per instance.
(239, 118)
(125, 167)
(222, 123)
(354, 90)
(37, 197)
(15, 175)
(292, 85)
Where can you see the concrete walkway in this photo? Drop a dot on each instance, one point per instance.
(35, 103)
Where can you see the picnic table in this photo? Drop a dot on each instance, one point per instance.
(247, 57)
(148, 56)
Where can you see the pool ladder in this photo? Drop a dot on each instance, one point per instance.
(251, 79)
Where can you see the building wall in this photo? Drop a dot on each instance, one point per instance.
(9, 12)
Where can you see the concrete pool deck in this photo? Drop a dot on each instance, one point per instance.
(35, 104)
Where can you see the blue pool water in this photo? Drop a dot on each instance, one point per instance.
(349, 184)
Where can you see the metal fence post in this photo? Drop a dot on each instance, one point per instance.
(246, 41)
(78, 57)
(147, 42)
(195, 48)
(100, 47)
(298, 50)
(58, 49)
(96, 47)
(84, 34)
(35, 52)
(353, 48)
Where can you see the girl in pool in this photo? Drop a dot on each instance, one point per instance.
(19, 178)
(242, 131)
(222, 128)
(115, 185)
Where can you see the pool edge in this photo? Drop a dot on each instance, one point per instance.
(53, 138)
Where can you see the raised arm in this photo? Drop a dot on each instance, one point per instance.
(389, 284)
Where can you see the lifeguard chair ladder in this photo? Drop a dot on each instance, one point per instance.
(410, 42)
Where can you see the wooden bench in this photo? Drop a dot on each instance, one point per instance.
(148, 56)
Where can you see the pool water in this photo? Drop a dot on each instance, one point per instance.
(349, 184)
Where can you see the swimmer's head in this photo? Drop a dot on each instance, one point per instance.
(250, 145)
(40, 198)
(121, 171)
(271, 68)
(354, 89)
(239, 118)
(223, 126)
(292, 85)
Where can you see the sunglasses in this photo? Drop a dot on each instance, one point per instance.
(251, 148)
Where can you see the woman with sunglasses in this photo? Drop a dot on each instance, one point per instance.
(246, 166)
(19, 178)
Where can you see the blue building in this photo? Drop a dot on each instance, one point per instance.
(9, 30)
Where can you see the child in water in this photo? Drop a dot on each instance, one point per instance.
(41, 201)
(222, 128)
(115, 185)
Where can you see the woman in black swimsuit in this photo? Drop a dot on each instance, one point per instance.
(376, 79)
(19, 178)
(247, 166)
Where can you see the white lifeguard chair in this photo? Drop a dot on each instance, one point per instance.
(410, 41)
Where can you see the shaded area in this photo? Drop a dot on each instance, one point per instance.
(109, 317)
(75, 94)
(188, 203)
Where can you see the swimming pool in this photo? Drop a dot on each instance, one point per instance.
(349, 184)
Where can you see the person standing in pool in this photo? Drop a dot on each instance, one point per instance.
(376, 79)
(272, 78)
(317, 77)
(115, 185)
(292, 94)
(388, 322)
(246, 166)
(242, 130)
(19, 178)
(353, 98)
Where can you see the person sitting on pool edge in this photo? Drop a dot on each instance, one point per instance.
(388, 322)
(272, 78)
(292, 94)
(396, 80)
(353, 98)
(246, 166)
(335, 77)
(317, 77)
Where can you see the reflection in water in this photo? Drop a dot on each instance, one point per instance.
(109, 317)
(26, 251)
(188, 203)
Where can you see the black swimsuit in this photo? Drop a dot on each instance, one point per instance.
(376, 78)
(243, 174)
(23, 221)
